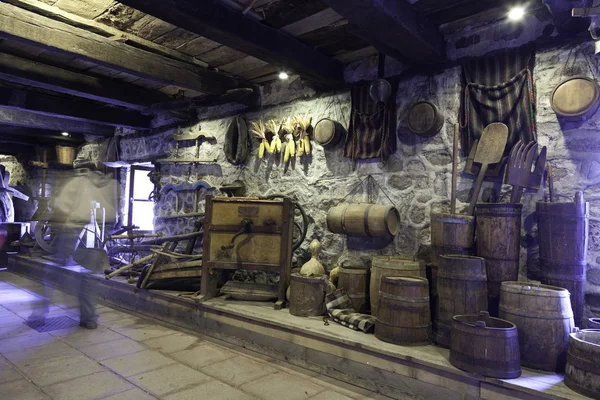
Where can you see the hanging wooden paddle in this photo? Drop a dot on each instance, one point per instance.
(489, 151)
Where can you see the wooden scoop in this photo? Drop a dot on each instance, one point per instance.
(489, 151)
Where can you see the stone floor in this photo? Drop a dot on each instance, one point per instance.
(133, 358)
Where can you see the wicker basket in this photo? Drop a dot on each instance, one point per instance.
(65, 155)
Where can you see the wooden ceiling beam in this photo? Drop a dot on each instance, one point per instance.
(31, 73)
(394, 27)
(73, 109)
(27, 27)
(27, 119)
(215, 21)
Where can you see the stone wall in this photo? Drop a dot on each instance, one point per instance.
(417, 177)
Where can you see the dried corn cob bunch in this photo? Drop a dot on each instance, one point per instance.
(258, 129)
(290, 148)
(302, 123)
(276, 141)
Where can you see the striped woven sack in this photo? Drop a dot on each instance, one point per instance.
(339, 308)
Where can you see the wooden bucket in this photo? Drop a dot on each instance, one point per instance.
(498, 230)
(425, 119)
(462, 289)
(593, 323)
(355, 281)
(391, 266)
(544, 319)
(563, 238)
(582, 373)
(307, 295)
(576, 98)
(65, 155)
(403, 311)
(363, 220)
(485, 345)
(328, 132)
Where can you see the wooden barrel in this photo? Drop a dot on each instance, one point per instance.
(563, 238)
(307, 295)
(328, 132)
(485, 345)
(425, 119)
(363, 220)
(593, 323)
(355, 281)
(544, 319)
(391, 266)
(582, 373)
(498, 230)
(403, 311)
(462, 289)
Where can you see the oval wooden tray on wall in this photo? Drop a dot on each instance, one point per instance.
(576, 99)
(425, 119)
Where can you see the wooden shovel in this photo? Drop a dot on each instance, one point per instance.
(489, 151)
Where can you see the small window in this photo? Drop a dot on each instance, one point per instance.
(140, 210)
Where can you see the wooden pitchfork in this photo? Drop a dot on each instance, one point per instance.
(518, 171)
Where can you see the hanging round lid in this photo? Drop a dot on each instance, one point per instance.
(576, 98)
(424, 119)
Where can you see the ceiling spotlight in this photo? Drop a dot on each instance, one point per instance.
(283, 75)
(516, 13)
(65, 134)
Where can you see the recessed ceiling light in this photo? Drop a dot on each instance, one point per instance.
(516, 13)
(65, 133)
(283, 75)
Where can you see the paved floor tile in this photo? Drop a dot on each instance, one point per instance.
(343, 388)
(25, 342)
(169, 379)
(238, 370)
(213, 390)
(133, 394)
(129, 323)
(116, 348)
(8, 373)
(45, 373)
(329, 395)
(108, 316)
(137, 363)
(203, 355)
(173, 343)
(16, 330)
(9, 320)
(93, 386)
(282, 385)
(21, 390)
(35, 355)
(148, 332)
(79, 337)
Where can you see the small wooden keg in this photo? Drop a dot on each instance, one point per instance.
(391, 266)
(498, 230)
(593, 323)
(563, 238)
(544, 319)
(363, 220)
(403, 311)
(307, 295)
(328, 132)
(462, 289)
(582, 373)
(485, 345)
(355, 281)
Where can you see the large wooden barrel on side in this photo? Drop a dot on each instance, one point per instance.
(544, 318)
(563, 238)
(363, 220)
(355, 281)
(391, 266)
(498, 230)
(307, 295)
(462, 289)
(485, 345)
(582, 373)
(593, 323)
(403, 311)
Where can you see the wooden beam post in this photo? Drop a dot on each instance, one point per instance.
(24, 26)
(394, 27)
(9, 116)
(215, 21)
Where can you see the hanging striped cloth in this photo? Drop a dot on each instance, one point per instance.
(500, 89)
(340, 309)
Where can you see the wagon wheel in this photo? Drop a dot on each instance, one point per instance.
(45, 236)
